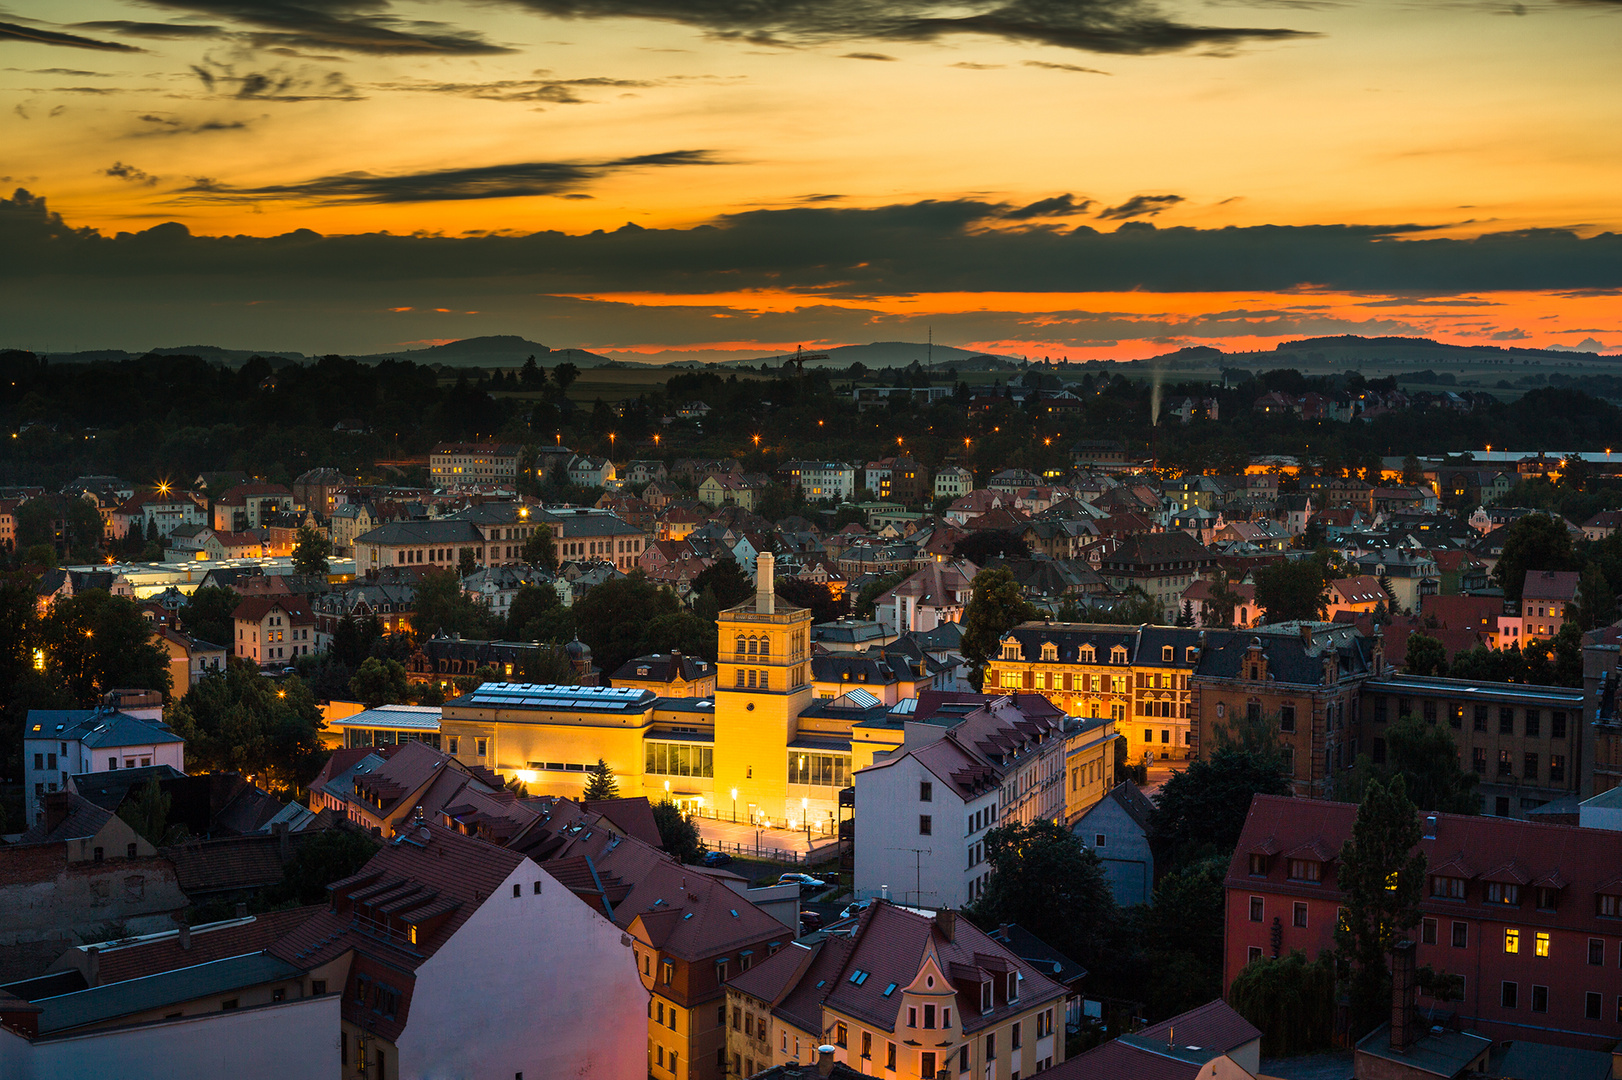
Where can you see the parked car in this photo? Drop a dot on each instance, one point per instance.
(806, 882)
(716, 858)
(854, 909)
(809, 921)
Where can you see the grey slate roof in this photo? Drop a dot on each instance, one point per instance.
(103, 1003)
(443, 531)
(96, 728)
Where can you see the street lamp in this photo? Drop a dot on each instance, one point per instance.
(805, 813)
(734, 806)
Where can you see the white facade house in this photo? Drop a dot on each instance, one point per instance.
(821, 481)
(953, 482)
(591, 472)
(923, 811)
(59, 743)
(937, 594)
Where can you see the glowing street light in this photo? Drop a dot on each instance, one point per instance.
(805, 813)
(734, 806)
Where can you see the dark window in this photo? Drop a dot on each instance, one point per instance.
(1430, 712)
(1557, 768)
(1478, 760)
(1014, 1042)
(925, 824)
(1506, 721)
(129, 851)
(1256, 909)
(1507, 994)
(1591, 1005)
(1557, 725)
(1540, 1000)
(1258, 865)
(1299, 916)
(1286, 718)
(1481, 718)
(929, 1016)
(1534, 722)
(1379, 709)
(1505, 767)
(926, 791)
(1596, 951)
(1253, 711)
(1501, 804)
(1461, 935)
(1379, 751)
(518, 890)
(1530, 772)
(1427, 932)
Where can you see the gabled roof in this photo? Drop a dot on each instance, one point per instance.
(1550, 585)
(150, 954)
(82, 819)
(1213, 1026)
(255, 608)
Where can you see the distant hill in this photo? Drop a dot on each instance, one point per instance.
(496, 350)
(884, 354)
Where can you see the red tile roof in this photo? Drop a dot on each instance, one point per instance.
(1550, 585)
(216, 941)
(1214, 1026)
(255, 608)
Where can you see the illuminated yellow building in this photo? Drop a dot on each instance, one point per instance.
(1136, 675)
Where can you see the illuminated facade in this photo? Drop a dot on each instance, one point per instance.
(1136, 676)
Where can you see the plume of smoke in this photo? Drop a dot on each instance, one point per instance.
(1154, 397)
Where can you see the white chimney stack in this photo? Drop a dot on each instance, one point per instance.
(765, 596)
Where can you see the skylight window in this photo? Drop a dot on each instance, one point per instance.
(859, 976)
(888, 990)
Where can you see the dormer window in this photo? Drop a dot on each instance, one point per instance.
(1610, 906)
(1010, 649)
(1013, 986)
(1548, 898)
(1502, 892)
(1310, 870)
(1258, 865)
(985, 997)
(1088, 654)
(1167, 653)
(1190, 654)
(1447, 888)
(1117, 655)
(1050, 651)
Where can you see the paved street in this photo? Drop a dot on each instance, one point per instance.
(743, 838)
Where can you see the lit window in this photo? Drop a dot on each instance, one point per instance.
(1512, 941)
(1542, 944)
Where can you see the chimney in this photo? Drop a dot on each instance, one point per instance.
(185, 935)
(946, 919)
(825, 1060)
(92, 973)
(284, 845)
(1306, 635)
(1404, 1029)
(242, 910)
(58, 805)
(765, 596)
(1430, 826)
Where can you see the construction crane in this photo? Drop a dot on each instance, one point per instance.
(800, 357)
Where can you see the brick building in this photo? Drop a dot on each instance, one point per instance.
(1528, 915)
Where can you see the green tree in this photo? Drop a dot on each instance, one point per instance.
(207, 615)
(1218, 608)
(1183, 931)
(95, 642)
(727, 581)
(1596, 600)
(1290, 591)
(1381, 875)
(1413, 473)
(613, 618)
(146, 810)
(1043, 878)
(1201, 810)
(379, 682)
(441, 607)
(867, 596)
(310, 552)
(564, 375)
(466, 562)
(996, 606)
(1290, 1001)
(236, 720)
(327, 856)
(1426, 756)
(600, 783)
(540, 550)
(1533, 542)
(528, 605)
(1426, 656)
(678, 836)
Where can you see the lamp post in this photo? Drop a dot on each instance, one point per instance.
(734, 806)
(805, 814)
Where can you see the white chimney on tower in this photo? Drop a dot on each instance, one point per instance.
(765, 596)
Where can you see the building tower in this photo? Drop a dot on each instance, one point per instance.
(763, 683)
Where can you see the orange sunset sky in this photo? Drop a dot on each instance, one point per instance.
(711, 178)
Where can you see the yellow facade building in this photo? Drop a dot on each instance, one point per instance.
(1136, 675)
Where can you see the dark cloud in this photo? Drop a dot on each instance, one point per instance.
(122, 171)
(38, 36)
(968, 66)
(358, 26)
(70, 72)
(1063, 67)
(1059, 206)
(1104, 26)
(279, 83)
(444, 185)
(881, 251)
(174, 125)
(161, 31)
(866, 56)
(552, 91)
(1139, 206)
